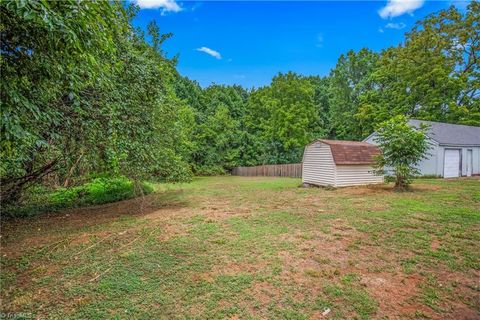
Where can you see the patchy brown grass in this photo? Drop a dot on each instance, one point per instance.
(231, 247)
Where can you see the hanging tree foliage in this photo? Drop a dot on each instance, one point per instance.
(83, 92)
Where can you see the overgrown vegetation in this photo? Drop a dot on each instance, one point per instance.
(98, 190)
(84, 92)
(262, 248)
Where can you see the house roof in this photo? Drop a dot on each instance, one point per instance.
(352, 152)
(450, 134)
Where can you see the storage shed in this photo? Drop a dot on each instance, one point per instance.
(339, 163)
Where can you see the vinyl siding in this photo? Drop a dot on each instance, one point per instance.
(434, 163)
(428, 166)
(318, 165)
(353, 175)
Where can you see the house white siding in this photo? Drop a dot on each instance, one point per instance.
(430, 165)
(475, 160)
(318, 165)
(434, 164)
(354, 175)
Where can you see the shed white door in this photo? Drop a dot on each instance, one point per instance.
(451, 166)
(469, 162)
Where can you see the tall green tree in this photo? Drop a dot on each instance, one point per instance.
(284, 117)
(82, 92)
(152, 126)
(321, 99)
(434, 75)
(348, 81)
(219, 134)
(52, 54)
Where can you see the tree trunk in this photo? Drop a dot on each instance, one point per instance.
(12, 187)
(400, 183)
(66, 183)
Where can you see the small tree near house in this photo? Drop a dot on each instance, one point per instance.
(403, 147)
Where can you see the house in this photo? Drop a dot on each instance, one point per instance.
(339, 163)
(454, 149)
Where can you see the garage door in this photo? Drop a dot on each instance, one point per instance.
(451, 166)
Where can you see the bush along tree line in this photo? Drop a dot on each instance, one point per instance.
(85, 93)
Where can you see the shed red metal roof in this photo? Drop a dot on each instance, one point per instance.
(352, 152)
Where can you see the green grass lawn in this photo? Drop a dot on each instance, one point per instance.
(252, 248)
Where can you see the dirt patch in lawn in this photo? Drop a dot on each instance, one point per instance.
(224, 250)
(394, 292)
(233, 268)
(331, 258)
(380, 189)
(77, 226)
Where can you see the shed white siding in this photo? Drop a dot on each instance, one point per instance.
(318, 165)
(353, 175)
(319, 168)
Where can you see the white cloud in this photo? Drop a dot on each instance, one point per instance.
(166, 5)
(397, 26)
(395, 8)
(211, 52)
(319, 40)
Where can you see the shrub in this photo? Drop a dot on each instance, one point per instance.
(100, 190)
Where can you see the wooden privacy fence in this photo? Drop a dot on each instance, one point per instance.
(293, 170)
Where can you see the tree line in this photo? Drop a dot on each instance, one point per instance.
(83, 91)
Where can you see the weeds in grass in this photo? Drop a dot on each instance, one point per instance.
(224, 247)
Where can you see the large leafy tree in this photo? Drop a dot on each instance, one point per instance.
(152, 125)
(218, 136)
(434, 75)
(348, 81)
(217, 147)
(52, 54)
(321, 99)
(82, 92)
(284, 117)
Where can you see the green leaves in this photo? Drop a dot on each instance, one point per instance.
(78, 83)
(283, 116)
(403, 147)
(83, 91)
(434, 75)
(349, 80)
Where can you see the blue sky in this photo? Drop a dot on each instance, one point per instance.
(248, 42)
